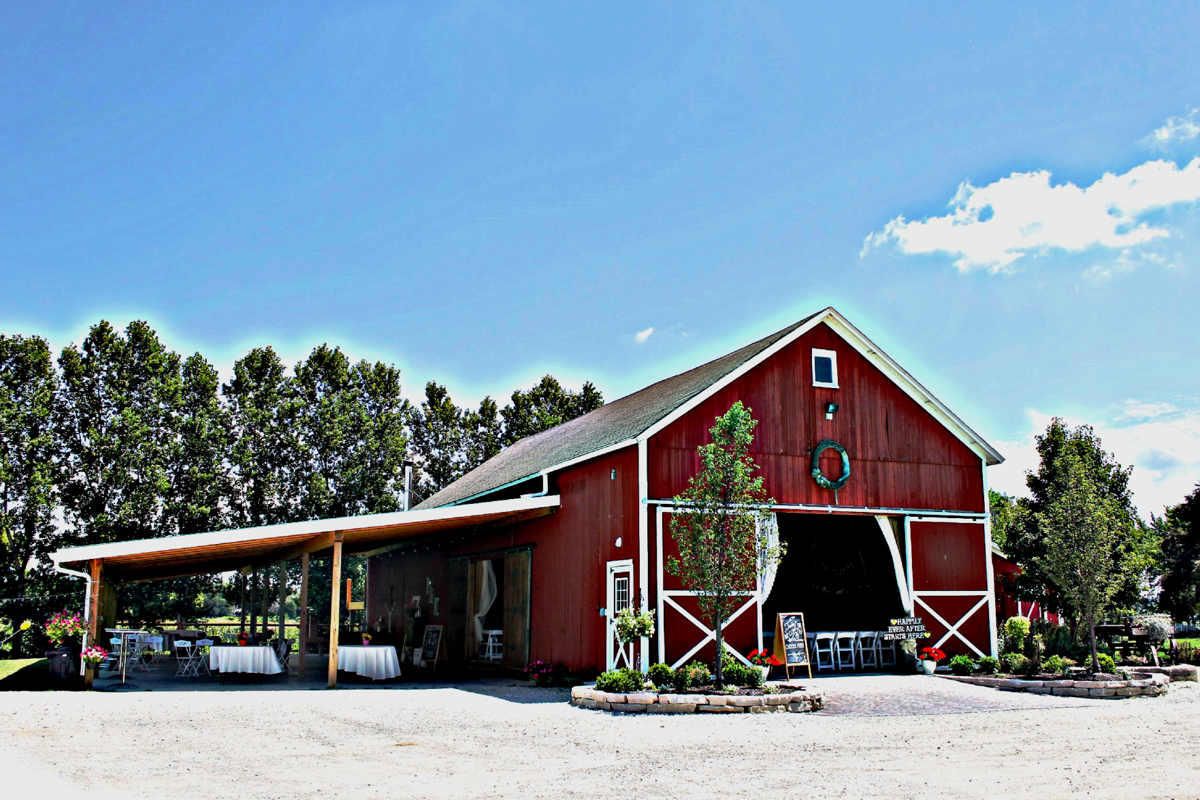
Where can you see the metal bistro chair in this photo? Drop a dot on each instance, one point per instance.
(201, 659)
(845, 649)
(185, 657)
(866, 646)
(824, 650)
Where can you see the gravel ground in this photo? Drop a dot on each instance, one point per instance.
(887, 735)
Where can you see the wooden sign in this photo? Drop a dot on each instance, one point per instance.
(906, 628)
(433, 644)
(791, 642)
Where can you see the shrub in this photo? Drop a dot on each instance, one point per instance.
(962, 665)
(989, 665)
(661, 675)
(1055, 665)
(1106, 663)
(735, 673)
(620, 681)
(1014, 663)
(1015, 631)
(693, 674)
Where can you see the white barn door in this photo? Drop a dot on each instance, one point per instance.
(620, 596)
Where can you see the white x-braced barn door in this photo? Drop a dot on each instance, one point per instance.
(620, 596)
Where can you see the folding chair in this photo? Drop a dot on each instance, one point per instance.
(201, 660)
(845, 649)
(824, 650)
(135, 646)
(284, 649)
(866, 646)
(185, 657)
(154, 645)
(887, 652)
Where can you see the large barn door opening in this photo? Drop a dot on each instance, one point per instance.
(619, 597)
(948, 562)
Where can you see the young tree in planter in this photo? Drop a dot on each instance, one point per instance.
(714, 525)
(1083, 529)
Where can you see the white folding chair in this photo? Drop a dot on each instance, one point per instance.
(824, 650)
(201, 657)
(185, 658)
(154, 645)
(845, 649)
(887, 652)
(135, 646)
(866, 646)
(493, 645)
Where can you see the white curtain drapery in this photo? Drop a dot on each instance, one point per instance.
(768, 537)
(487, 596)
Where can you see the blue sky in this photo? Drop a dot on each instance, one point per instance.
(483, 192)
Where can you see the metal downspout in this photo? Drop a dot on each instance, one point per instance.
(87, 604)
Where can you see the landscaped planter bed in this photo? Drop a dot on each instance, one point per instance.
(786, 698)
(1143, 684)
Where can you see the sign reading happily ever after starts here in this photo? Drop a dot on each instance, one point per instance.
(906, 628)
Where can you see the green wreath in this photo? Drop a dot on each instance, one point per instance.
(819, 477)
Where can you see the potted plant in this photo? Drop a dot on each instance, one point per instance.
(632, 625)
(929, 658)
(92, 656)
(366, 639)
(764, 661)
(243, 639)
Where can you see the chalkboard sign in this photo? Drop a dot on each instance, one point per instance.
(433, 643)
(791, 642)
(906, 628)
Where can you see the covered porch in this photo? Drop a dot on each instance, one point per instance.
(105, 567)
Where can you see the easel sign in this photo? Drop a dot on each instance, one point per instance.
(791, 642)
(431, 646)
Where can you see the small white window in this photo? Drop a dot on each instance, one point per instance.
(621, 594)
(824, 368)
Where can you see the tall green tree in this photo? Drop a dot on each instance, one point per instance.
(352, 426)
(1083, 541)
(544, 406)
(1003, 512)
(483, 434)
(28, 476)
(1025, 536)
(437, 438)
(266, 452)
(715, 525)
(120, 398)
(1180, 531)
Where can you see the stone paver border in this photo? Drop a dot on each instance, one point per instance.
(1150, 686)
(655, 703)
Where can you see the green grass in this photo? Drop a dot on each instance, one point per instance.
(24, 674)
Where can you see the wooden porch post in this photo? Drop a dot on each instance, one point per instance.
(94, 628)
(253, 607)
(303, 644)
(266, 600)
(282, 598)
(335, 609)
(242, 609)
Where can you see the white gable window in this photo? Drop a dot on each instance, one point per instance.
(824, 368)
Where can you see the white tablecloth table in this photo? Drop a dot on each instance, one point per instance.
(261, 660)
(377, 662)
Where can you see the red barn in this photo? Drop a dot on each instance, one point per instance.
(529, 556)
(908, 533)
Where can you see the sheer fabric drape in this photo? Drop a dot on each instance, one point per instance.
(487, 596)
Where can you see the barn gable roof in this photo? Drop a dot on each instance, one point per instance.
(639, 415)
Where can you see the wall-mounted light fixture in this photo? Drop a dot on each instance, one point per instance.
(830, 410)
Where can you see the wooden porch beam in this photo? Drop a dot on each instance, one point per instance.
(474, 529)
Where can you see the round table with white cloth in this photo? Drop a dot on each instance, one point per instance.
(261, 660)
(377, 662)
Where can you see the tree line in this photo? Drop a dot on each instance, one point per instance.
(120, 438)
(1083, 549)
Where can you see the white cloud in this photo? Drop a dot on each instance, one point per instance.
(1175, 129)
(1161, 441)
(991, 227)
(641, 336)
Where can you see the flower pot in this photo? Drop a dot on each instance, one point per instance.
(366, 642)
(766, 671)
(928, 666)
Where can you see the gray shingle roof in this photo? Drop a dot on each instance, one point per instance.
(610, 424)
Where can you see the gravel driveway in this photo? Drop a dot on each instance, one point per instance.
(888, 736)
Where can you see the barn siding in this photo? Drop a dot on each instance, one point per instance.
(900, 455)
(570, 550)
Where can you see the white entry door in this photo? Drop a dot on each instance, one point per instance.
(620, 595)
